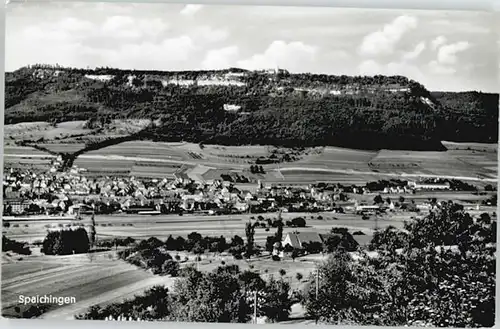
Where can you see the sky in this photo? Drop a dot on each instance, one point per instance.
(443, 50)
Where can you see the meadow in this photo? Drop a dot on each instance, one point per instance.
(475, 162)
(99, 278)
(161, 226)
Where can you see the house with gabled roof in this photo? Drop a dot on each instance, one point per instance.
(298, 239)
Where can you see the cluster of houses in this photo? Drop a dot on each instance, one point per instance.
(72, 192)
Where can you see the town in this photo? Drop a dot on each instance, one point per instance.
(71, 193)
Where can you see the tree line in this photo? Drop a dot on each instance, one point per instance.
(224, 295)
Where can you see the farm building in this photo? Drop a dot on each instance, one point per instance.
(368, 208)
(298, 239)
(79, 209)
(17, 205)
(428, 186)
(231, 107)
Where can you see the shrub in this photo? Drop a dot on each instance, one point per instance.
(6, 224)
(282, 272)
(15, 225)
(299, 276)
(171, 268)
(299, 222)
(15, 246)
(276, 258)
(66, 242)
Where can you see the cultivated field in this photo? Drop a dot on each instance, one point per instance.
(96, 279)
(251, 151)
(143, 227)
(336, 158)
(482, 147)
(457, 163)
(348, 166)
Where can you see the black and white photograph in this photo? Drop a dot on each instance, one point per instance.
(250, 164)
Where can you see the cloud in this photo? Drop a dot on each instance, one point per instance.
(129, 27)
(207, 34)
(440, 69)
(438, 41)
(190, 10)
(292, 56)
(75, 25)
(447, 54)
(371, 67)
(170, 53)
(220, 58)
(384, 41)
(415, 53)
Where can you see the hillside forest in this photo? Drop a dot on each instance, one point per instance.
(238, 107)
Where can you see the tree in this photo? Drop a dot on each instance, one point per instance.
(198, 249)
(221, 244)
(426, 283)
(489, 188)
(277, 303)
(15, 246)
(237, 241)
(251, 281)
(170, 267)
(170, 243)
(92, 234)
(288, 248)
(279, 231)
(66, 242)
(378, 199)
(388, 239)
(299, 276)
(299, 222)
(343, 298)
(313, 247)
(250, 233)
(210, 297)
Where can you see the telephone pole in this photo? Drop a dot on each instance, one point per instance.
(255, 307)
(317, 283)
(317, 292)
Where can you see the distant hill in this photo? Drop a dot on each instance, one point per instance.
(236, 106)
